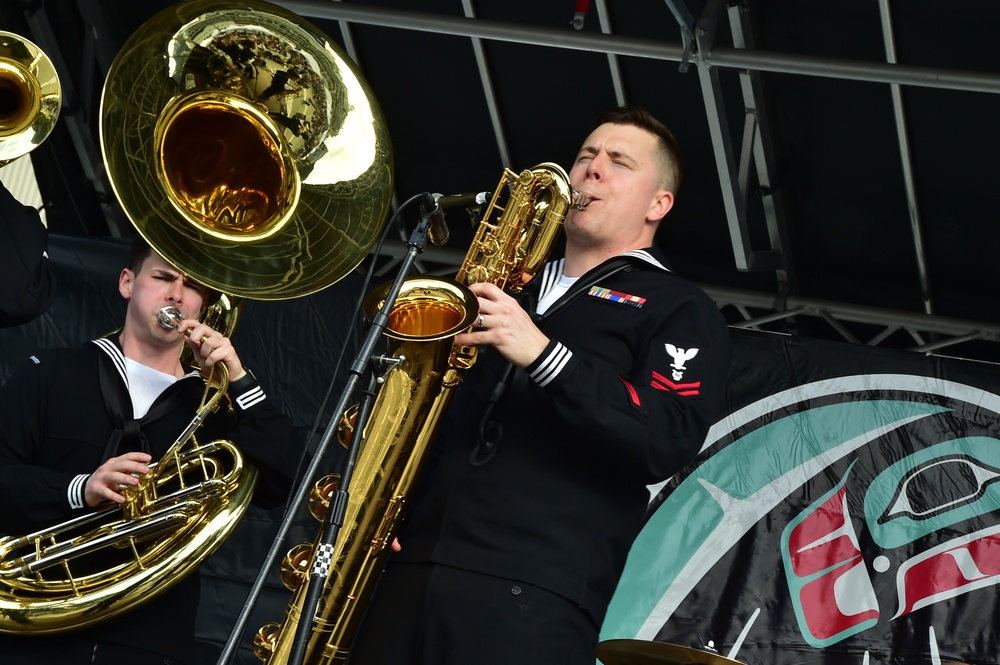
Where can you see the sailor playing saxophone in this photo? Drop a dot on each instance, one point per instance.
(529, 505)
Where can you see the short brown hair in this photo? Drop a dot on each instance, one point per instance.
(142, 250)
(671, 160)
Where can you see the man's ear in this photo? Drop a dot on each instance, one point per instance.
(125, 281)
(662, 203)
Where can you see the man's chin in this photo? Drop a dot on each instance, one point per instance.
(168, 338)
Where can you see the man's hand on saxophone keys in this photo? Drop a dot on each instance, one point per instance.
(505, 326)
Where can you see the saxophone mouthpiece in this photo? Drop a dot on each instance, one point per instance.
(169, 318)
(580, 200)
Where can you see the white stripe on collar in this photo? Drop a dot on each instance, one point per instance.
(645, 256)
(550, 277)
(118, 358)
(110, 348)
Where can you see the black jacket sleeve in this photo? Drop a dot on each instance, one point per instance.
(26, 283)
(651, 418)
(32, 492)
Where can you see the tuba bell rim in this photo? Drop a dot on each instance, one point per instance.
(271, 142)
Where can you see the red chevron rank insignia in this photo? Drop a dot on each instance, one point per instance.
(661, 382)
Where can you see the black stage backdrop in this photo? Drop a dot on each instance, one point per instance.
(844, 511)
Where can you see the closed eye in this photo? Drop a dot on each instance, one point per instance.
(198, 288)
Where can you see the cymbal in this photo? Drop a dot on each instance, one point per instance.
(645, 652)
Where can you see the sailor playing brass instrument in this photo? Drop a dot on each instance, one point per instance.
(82, 430)
(254, 163)
(521, 523)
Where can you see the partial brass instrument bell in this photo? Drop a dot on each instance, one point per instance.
(645, 652)
(248, 152)
(30, 96)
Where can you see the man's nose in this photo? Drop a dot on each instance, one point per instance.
(176, 291)
(595, 168)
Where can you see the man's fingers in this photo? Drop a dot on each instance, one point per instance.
(130, 470)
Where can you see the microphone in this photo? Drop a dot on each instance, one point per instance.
(467, 200)
(437, 229)
(435, 205)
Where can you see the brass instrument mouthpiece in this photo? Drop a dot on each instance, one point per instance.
(580, 200)
(169, 317)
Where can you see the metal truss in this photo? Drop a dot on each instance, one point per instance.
(755, 151)
(740, 163)
(912, 331)
(745, 163)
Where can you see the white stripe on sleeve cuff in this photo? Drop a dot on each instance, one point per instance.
(74, 494)
(253, 396)
(552, 365)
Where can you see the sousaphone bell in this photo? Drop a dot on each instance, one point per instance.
(246, 148)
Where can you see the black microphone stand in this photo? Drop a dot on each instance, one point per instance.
(322, 558)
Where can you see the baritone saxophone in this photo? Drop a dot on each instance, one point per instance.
(511, 244)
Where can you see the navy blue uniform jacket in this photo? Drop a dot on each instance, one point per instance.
(621, 398)
(58, 428)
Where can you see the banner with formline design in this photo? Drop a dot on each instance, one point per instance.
(846, 510)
